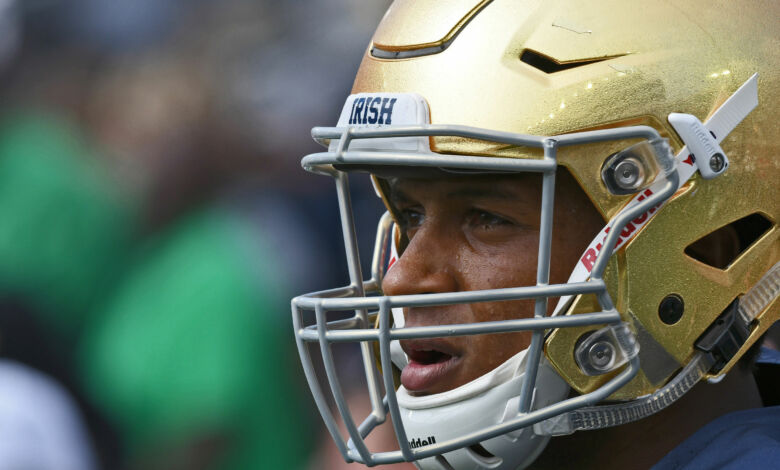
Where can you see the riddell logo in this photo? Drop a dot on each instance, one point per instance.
(629, 232)
(415, 443)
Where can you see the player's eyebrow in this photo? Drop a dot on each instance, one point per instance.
(397, 196)
(480, 192)
(476, 191)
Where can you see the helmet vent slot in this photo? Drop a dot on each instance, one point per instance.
(720, 248)
(547, 64)
(479, 453)
(443, 463)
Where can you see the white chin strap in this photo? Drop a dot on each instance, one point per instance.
(486, 401)
(397, 355)
(489, 400)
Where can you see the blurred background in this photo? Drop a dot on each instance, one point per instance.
(156, 223)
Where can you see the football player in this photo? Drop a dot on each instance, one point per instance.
(581, 239)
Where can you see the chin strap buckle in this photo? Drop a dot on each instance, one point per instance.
(723, 338)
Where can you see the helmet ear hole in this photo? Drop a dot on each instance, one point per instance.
(720, 248)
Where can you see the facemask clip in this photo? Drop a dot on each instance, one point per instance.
(606, 349)
(710, 159)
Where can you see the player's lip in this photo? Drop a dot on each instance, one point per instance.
(430, 362)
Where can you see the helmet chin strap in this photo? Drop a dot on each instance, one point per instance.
(489, 400)
(604, 416)
(763, 293)
(397, 354)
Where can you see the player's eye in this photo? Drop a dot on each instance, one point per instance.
(487, 220)
(411, 219)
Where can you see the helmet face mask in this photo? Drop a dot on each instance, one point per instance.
(366, 299)
(593, 341)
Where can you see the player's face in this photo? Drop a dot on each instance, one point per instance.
(473, 233)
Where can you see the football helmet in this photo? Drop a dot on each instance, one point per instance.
(662, 114)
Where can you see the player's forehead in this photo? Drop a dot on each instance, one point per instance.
(516, 187)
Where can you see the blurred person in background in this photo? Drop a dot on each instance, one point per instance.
(63, 234)
(148, 195)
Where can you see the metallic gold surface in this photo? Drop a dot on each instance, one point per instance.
(434, 23)
(684, 57)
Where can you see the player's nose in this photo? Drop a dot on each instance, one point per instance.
(424, 267)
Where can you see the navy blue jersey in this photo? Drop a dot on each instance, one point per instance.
(739, 440)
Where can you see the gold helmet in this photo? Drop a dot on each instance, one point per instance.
(607, 83)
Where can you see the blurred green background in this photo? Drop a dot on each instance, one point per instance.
(155, 223)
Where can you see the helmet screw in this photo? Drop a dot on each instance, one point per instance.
(628, 174)
(717, 162)
(671, 308)
(601, 355)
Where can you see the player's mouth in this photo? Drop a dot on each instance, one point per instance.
(431, 361)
